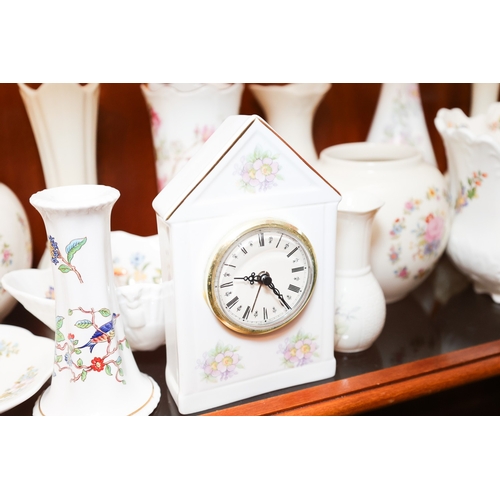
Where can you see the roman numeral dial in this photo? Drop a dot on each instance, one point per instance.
(261, 277)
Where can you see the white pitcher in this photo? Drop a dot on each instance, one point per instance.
(473, 151)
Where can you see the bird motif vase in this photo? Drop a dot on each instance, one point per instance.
(95, 372)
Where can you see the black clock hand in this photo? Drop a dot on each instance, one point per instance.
(251, 279)
(268, 281)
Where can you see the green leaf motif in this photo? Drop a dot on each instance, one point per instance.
(79, 362)
(59, 322)
(59, 336)
(119, 360)
(64, 268)
(78, 351)
(58, 359)
(83, 323)
(108, 370)
(105, 312)
(73, 247)
(120, 371)
(84, 375)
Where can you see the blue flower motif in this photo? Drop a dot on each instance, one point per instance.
(54, 250)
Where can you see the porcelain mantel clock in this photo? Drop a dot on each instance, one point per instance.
(247, 233)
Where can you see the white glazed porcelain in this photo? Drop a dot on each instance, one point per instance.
(25, 365)
(15, 242)
(244, 174)
(183, 116)
(411, 230)
(136, 266)
(359, 300)
(399, 119)
(95, 372)
(473, 149)
(63, 117)
(290, 110)
(482, 96)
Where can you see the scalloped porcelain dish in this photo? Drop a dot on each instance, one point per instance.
(141, 294)
(25, 365)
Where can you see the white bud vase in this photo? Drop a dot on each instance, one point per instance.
(482, 96)
(290, 110)
(95, 372)
(15, 243)
(63, 117)
(399, 119)
(359, 300)
(183, 116)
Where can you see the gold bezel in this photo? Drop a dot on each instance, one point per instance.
(221, 251)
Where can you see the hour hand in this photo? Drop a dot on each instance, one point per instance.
(253, 278)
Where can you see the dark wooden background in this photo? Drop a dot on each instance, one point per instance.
(125, 156)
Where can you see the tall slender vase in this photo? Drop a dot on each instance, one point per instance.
(290, 110)
(63, 117)
(15, 243)
(399, 119)
(482, 96)
(359, 300)
(183, 117)
(95, 372)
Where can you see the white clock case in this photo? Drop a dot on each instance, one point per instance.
(195, 211)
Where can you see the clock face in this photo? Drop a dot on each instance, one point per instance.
(261, 278)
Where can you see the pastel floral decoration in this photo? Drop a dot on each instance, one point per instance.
(220, 363)
(299, 350)
(6, 255)
(258, 170)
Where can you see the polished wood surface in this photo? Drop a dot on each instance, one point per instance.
(426, 347)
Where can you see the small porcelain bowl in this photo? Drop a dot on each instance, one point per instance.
(141, 294)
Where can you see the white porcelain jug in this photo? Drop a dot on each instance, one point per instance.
(411, 230)
(473, 150)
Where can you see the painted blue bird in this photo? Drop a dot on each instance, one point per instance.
(103, 334)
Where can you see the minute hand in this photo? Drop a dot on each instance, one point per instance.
(266, 279)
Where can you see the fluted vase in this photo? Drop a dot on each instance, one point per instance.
(290, 110)
(183, 116)
(95, 372)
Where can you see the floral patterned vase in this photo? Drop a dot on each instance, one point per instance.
(359, 300)
(95, 372)
(472, 148)
(183, 116)
(399, 119)
(411, 230)
(290, 110)
(15, 243)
